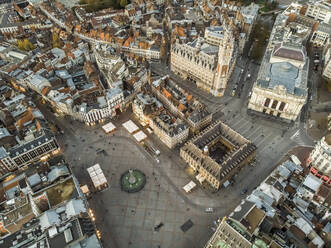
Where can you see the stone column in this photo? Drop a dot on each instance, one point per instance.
(271, 102)
(278, 105)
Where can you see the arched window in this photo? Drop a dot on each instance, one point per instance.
(267, 102)
(274, 104)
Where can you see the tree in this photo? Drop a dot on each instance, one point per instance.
(56, 40)
(27, 45)
(20, 44)
(123, 3)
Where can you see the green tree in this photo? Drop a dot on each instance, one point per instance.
(123, 3)
(27, 45)
(20, 44)
(56, 40)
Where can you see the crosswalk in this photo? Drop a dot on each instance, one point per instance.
(300, 138)
(262, 137)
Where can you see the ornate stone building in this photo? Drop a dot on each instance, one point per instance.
(281, 86)
(181, 104)
(217, 153)
(208, 62)
(170, 130)
(320, 158)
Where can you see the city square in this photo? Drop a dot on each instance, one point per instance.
(165, 124)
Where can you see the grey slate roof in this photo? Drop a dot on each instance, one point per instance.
(57, 172)
(30, 145)
(34, 179)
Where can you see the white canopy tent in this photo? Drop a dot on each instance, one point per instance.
(109, 127)
(140, 136)
(97, 176)
(130, 126)
(188, 187)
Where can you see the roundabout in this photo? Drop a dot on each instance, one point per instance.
(132, 181)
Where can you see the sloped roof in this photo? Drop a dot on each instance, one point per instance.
(48, 219)
(57, 172)
(74, 207)
(288, 52)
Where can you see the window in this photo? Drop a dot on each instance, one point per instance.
(282, 106)
(25, 158)
(274, 104)
(267, 102)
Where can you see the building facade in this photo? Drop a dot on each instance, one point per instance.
(319, 10)
(321, 35)
(208, 62)
(230, 233)
(327, 64)
(27, 152)
(217, 154)
(320, 157)
(280, 89)
(181, 104)
(171, 134)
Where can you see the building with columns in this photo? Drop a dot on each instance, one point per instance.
(320, 158)
(280, 89)
(207, 61)
(217, 154)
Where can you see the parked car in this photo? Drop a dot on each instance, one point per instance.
(244, 191)
(209, 210)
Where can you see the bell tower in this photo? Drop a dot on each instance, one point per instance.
(225, 54)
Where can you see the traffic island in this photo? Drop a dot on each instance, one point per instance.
(133, 181)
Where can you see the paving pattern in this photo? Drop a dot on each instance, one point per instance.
(128, 220)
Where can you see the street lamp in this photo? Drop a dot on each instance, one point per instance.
(98, 234)
(91, 214)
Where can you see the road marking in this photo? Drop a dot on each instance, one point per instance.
(273, 145)
(256, 129)
(264, 139)
(243, 127)
(240, 123)
(295, 134)
(246, 129)
(256, 138)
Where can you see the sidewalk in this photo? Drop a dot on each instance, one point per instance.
(317, 125)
